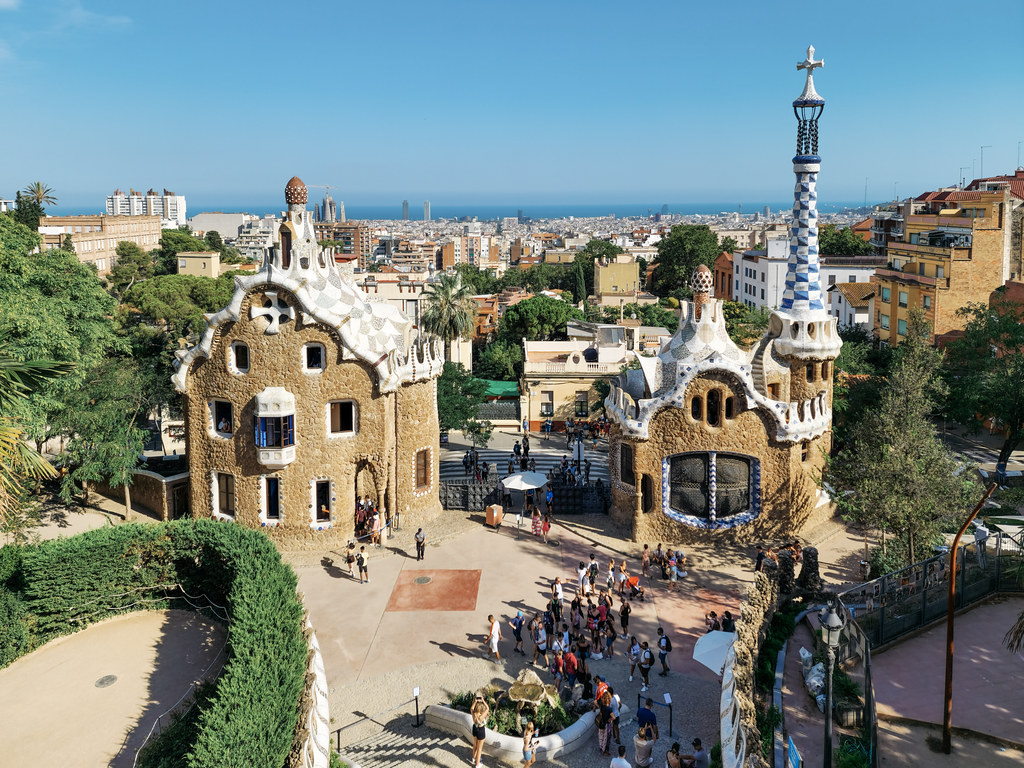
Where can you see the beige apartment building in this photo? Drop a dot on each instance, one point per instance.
(96, 237)
(559, 376)
(354, 236)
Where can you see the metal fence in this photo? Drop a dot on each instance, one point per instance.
(568, 500)
(498, 410)
(902, 601)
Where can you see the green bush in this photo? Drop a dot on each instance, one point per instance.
(250, 716)
(767, 719)
(716, 755)
(15, 638)
(504, 718)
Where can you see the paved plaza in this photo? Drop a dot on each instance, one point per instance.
(92, 697)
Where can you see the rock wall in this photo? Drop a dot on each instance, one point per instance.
(789, 471)
(363, 461)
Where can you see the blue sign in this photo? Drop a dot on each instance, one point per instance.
(794, 756)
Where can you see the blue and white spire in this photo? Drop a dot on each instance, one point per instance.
(803, 295)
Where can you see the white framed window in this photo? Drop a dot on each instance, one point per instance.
(238, 358)
(271, 500)
(314, 358)
(222, 487)
(222, 418)
(321, 503)
(341, 418)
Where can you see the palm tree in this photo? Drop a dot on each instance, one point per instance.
(40, 193)
(18, 462)
(449, 311)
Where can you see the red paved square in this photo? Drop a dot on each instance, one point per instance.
(446, 591)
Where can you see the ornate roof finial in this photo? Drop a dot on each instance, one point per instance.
(295, 192)
(701, 283)
(809, 95)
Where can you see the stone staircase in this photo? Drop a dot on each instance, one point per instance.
(404, 746)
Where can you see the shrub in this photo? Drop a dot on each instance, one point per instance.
(766, 721)
(504, 718)
(250, 715)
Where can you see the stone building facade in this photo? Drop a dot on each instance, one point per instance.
(711, 441)
(302, 395)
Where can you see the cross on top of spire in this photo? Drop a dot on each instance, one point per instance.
(809, 95)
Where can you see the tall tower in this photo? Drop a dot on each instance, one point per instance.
(405, 210)
(426, 210)
(806, 330)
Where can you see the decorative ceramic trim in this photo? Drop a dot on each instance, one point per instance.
(711, 523)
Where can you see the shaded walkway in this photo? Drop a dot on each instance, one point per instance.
(91, 698)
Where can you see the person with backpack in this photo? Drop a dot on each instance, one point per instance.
(645, 664)
(364, 573)
(664, 649)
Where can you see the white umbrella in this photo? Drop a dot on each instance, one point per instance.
(712, 649)
(525, 481)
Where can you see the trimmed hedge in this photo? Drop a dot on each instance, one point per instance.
(250, 718)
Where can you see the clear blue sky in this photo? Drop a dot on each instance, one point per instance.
(541, 101)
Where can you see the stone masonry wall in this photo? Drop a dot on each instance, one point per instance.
(787, 490)
(277, 361)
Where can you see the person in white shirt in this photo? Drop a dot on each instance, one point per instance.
(620, 761)
(493, 636)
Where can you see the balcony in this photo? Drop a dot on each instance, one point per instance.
(583, 367)
(910, 277)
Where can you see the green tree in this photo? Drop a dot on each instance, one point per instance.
(449, 310)
(842, 242)
(499, 361)
(18, 462)
(478, 281)
(458, 396)
(214, 241)
(54, 308)
(579, 276)
(538, 318)
(479, 432)
(27, 212)
(686, 248)
(133, 265)
(173, 242)
(104, 427)
(68, 244)
(40, 194)
(901, 477)
(649, 314)
(176, 303)
(986, 370)
(728, 244)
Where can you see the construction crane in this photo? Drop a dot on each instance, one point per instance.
(322, 186)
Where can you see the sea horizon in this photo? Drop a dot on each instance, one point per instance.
(484, 212)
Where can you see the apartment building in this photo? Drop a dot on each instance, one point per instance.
(759, 277)
(168, 206)
(852, 304)
(96, 237)
(723, 275)
(354, 237)
(958, 248)
(559, 376)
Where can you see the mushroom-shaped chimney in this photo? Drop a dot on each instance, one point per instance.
(295, 192)
(702, 282)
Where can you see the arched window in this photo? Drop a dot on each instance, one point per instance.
(714, 407)
(810, 372)
(730, 407)
(626, 473)
(697, 408)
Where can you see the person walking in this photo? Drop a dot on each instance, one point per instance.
(364, 573)
(549, 500)
(540, 640)
(623, 578)
(664, 648)
(545, 528)
(624, 611)
(529, 746)
(603, 707)
(517, 632)
(421, 543)
(645, 664)
(350, 557)
(645, 562)
(616, 704)
(480, 713)
(557, 598)
(633, 654)
(493, 636)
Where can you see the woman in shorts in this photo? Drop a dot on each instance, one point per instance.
(480, 712)
(529, 746)
(634, 656)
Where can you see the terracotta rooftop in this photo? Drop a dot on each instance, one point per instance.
(856, 294)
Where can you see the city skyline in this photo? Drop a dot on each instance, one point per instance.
(557, 118)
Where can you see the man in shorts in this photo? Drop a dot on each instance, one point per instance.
(421, 543)
(364, 573)
(646, 662)
(493, 636)
(540, 640)
(517, 632)
(664, 647)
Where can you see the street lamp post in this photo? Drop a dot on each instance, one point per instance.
(831, 631)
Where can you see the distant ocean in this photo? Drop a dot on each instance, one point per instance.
(492, 212)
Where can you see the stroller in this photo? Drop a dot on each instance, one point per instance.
(636, 592)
